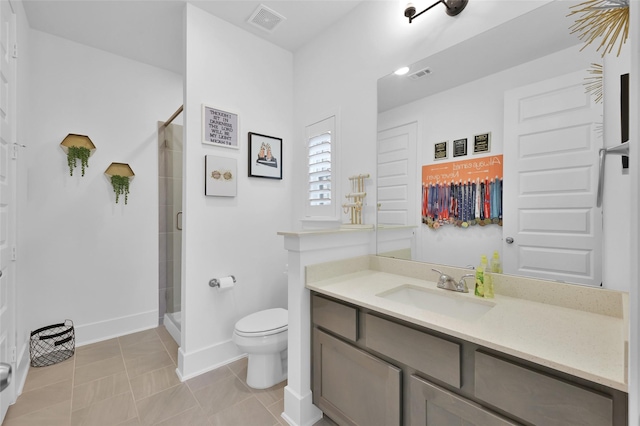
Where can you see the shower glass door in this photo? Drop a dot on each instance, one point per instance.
(170, 209)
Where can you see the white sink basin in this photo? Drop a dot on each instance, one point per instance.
(442, 302)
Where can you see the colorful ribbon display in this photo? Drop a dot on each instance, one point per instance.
(462, 204)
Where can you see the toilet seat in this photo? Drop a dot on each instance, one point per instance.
(263, 323)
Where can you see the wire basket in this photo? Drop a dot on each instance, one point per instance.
(52, 344)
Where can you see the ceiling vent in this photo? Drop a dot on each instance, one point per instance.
(419, 74)
(266, 19)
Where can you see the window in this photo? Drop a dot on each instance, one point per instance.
(320, 170)
(321, 187)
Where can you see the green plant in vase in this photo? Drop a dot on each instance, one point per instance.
(120, 187)
(78, 153)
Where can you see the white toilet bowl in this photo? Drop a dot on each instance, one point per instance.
(264, 337)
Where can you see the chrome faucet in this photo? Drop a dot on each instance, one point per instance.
(448, 283)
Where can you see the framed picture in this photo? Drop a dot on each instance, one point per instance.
(460, 147)
(220, 128)
(265, 156)
(440, 151)
(482, 143)
(221, 176)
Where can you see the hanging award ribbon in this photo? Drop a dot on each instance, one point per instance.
(462, 193)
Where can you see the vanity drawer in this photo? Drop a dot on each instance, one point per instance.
(429, 354)
(335, 317)
(431, 405)
(536, 397)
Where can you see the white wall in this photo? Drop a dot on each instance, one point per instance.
(231, 69)
(82, 256)
(634, 293)
(616, 203)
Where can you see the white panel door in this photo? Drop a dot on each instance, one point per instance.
(7, 182)
(397, 203)
(550, 181)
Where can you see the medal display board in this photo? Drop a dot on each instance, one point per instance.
(463, 193)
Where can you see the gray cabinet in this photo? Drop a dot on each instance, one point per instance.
(432, 405)
(340, 319)
(353, 387)
(538, 398)
(371, 369)
(431, 355)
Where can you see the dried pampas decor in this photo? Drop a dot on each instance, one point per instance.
(593, 83)
(608, 19)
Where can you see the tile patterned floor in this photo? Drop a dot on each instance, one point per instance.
(131, 380)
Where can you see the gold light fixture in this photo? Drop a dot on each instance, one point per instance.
(608, 19)
(593, 83)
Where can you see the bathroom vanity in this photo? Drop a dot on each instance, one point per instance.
(540, 352)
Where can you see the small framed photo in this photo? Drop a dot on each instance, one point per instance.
(221, 176)
(460, 147)
(265, 156)
(482, 143)
(440, 150)
(220, 128)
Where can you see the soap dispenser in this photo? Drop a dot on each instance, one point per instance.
(480, 273)
(488, 282)
(496, 265)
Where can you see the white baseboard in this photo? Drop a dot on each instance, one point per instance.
(299, 410)
(193, 364)
(172, 329)
(22, 368)
(115, 327)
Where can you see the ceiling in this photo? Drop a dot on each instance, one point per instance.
(515, 42)
(150, 31)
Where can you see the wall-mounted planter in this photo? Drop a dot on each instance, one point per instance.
(77, 147)
(120, 175)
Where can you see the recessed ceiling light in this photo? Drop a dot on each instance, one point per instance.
(401, 71)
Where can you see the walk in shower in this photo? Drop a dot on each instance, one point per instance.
(170, 238)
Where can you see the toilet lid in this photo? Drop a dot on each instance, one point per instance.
(270, 320)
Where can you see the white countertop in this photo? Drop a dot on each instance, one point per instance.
(585, 344)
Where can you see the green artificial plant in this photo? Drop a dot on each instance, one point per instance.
(78, 153)
(120, 186)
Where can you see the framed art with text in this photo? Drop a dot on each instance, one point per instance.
(440, 150)
(219, 127)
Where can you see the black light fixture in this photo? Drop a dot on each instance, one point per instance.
(454, 7)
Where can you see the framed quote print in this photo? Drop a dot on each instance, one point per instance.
(220, 127)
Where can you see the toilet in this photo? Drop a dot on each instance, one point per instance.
(263, 336)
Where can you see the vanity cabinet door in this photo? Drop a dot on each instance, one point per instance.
(351, 386)
(432, 405)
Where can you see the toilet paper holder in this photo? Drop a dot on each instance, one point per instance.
(215, 282)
